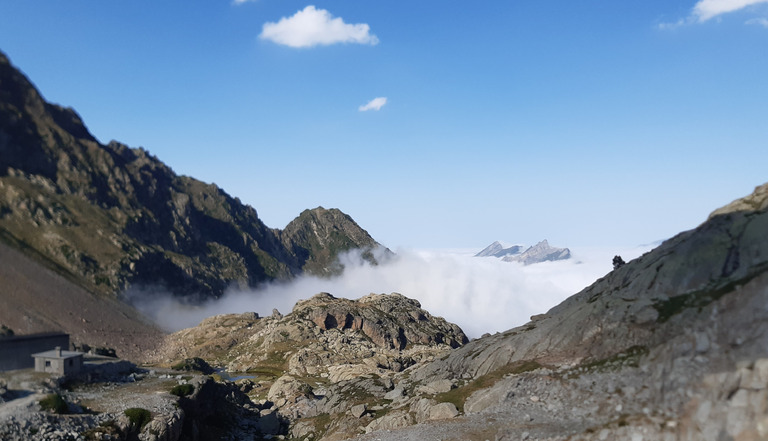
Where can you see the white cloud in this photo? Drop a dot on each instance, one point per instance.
(479, 294)
(707, 9)
(311, 27)
(374, 104)
(758, 21)
(675, 25)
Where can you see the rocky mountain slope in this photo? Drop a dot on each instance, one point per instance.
(671, 346)
(541, 252)
(37, 299)
(110, 216)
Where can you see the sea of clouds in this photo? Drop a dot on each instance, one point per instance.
(480, 294)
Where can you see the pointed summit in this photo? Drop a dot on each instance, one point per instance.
(541, 252)
(496, 249)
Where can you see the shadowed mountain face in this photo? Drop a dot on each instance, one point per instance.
(35, 299)
(110, 216)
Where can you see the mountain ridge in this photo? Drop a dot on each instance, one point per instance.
(541, 252)
(112, 216)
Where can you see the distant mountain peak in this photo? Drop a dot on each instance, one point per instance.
(496, 249)
(541, 252)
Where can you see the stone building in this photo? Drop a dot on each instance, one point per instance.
(59, 362)
(16, 352)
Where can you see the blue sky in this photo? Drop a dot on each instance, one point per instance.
(587, 123)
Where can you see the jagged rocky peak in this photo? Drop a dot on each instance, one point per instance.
(496, 249)
(113, 217)
(318, 236)
(541, 252)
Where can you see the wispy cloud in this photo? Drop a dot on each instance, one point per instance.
(705, 10)
(374, 104)
(758, 21)
(312, 27)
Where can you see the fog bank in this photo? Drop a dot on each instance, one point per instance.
(480, 294)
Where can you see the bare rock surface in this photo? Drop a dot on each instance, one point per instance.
(670, 346)
(332, 366)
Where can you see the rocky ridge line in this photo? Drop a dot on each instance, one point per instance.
(670, 346)
(110, 217)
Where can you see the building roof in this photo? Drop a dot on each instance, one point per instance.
(53, 353)
(21, 337)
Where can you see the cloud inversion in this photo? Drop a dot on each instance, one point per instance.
(312, 27)
(374, 104)
(480, 294)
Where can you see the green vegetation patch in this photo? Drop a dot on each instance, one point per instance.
(182, 390)
(54, 403)
(630, 357)
(701, 298)
(193, 364)
(139, 417)
(459, 395)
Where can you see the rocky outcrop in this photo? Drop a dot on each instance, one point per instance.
(329, 358)
(390, 321)
(111, 217)
(541, 252)
(757, 201)
(670, 346)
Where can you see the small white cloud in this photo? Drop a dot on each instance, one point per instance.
(311, 27)
(675, 25)
(374, 104)
(758, 21)
(705, 10)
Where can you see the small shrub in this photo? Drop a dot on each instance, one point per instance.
(105, 430)
(194, 364)
(54, 403)
(139, 417)
(182, 390)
